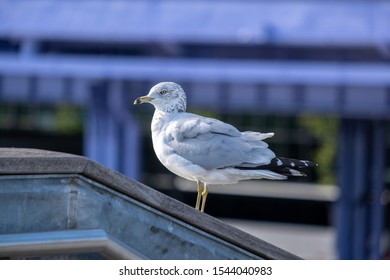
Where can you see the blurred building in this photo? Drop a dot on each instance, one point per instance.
(316, 73)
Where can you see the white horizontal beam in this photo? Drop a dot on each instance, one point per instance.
(229, 71)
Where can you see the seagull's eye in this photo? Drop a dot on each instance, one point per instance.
(163, 92)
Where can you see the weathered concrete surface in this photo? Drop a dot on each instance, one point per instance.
(77, 176)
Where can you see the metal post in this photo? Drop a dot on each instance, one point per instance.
(345, 203)
(361, 169)
(377, 209)
(112, 135)
(29, 48)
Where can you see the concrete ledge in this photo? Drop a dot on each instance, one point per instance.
(29, 161)
(62, 242)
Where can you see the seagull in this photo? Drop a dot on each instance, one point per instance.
(209, 151)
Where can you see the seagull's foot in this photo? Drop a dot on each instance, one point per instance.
(199, 196)
(204, 197)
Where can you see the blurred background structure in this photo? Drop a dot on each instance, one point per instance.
(316, 73)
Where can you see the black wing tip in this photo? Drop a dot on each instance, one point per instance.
(292, 172)
(290, 167)
(292, 163)
(284, 166)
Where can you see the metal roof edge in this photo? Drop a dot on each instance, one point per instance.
(33, 161)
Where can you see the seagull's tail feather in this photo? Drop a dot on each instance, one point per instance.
(248, 173)
(283, 166)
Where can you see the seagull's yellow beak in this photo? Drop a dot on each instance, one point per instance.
(142, 99)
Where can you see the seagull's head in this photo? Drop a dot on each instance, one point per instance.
(168, 97)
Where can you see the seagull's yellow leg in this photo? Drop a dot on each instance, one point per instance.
(199, 197)
(204, 196)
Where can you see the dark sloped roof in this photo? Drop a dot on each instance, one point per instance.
(28, 162)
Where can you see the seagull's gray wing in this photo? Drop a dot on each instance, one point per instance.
(212, 144)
